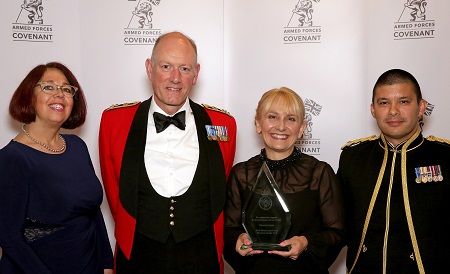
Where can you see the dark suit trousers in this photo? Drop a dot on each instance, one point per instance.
(197, 255)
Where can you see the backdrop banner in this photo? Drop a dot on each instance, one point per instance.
(329, 52)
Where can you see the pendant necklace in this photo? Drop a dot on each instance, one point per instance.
(44, 145)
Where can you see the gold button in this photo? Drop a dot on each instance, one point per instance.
(172, 208)
(172, 223)
(171, 215)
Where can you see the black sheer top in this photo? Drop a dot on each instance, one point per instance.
(313, 195)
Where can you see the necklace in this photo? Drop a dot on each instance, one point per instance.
(280, 164)
(44, 145)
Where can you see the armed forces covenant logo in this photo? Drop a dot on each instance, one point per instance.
(30, 23)
(301, 27)
(413, 22)
(428, 111)
(307, 143)
(140, 29)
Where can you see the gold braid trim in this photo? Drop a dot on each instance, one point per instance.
(360, 140)
(406, 202)
(412, 232)
(388, 210)
(372, 202)
(124, 105)
(437, 139)
(216, 109)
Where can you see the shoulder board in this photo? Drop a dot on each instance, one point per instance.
(437, 139)
(216, 109)
(124, 105)
(360, 140)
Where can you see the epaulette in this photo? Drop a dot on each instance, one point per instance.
(216, 109)
(437, 139)
(124, 105)
(359, 141)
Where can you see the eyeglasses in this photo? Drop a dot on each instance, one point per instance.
(52, 89)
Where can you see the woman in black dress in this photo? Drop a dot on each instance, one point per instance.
(309, 187)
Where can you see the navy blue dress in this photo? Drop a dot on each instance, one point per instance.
(50, 218)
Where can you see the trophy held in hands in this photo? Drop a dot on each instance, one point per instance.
(265, 215)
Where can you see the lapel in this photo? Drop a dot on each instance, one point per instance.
(133, 160)
(214, 164)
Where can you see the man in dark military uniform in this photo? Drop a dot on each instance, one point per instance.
(397, 187)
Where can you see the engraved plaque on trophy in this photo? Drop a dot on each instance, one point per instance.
(265, 215)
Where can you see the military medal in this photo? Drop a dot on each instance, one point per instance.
(429, 174)
(215, 136)
(210, 132)
(439, 172)
(418, 176)
(220, 131)
(435, 177)
(226, 133)
(423, 173)
(217, 133)
(223, 133)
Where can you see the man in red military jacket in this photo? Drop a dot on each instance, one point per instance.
(164, 165)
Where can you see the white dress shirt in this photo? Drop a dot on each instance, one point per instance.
(171, 156)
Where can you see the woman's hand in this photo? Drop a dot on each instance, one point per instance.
(298, 245)
(243, 239)
(108, 271)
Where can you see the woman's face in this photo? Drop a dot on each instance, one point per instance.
(279, 129)
(52, 109)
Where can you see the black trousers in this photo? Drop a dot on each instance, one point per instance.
(197, 255)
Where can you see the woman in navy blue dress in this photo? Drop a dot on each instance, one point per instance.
(50, 218)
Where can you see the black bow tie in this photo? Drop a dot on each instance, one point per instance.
(162, 121)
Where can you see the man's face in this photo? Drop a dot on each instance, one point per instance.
(397, 112)
(173, 71)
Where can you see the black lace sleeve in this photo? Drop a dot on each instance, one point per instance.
(233, 209)
(325, 244)
(313, 195)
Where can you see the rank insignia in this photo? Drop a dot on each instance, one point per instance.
(217, 133)
(428, 174)
(216, 109)
(359, 141)
(124, 105)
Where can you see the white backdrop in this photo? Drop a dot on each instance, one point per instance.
(330, 52)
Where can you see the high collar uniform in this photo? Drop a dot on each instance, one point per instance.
(121, 142)
(396, 222)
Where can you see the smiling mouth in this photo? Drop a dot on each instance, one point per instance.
(57, 106)
(173, 89)
(279, 136)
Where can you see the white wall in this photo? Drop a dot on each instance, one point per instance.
(243, 53)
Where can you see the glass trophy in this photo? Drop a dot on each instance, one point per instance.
(265, 215)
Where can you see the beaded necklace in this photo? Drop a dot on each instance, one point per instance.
(280, 164)
(44, 145)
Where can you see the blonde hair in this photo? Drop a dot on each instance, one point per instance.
(281, 97)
